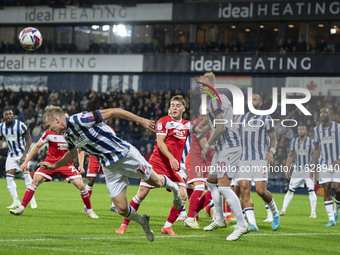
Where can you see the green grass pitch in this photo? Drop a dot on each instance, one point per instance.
(58, 226)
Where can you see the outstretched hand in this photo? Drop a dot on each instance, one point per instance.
(149, 124)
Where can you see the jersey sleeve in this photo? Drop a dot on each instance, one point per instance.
(316, 137)
(86, 119)
(161, 127)
(269, 124)
(44, 137)
(23, 129)
(291, 145)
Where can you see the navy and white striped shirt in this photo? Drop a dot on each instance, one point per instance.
(186, 149)
(231, 137)
(87, 132)
(328, 139)
(15, 137)
(303, 152)
(254, 135)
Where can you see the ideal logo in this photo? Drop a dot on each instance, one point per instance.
(231, 11)
(208, 65)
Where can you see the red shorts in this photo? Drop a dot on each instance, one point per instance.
(68, 172)
(173, 175)
(93, 168)
(197, 168)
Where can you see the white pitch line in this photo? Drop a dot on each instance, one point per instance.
(72, 251)
(160, 237)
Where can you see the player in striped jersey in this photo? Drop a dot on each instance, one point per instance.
(19, 141)
(225, 161)
(254, 161)
(301, 148)
(119, 159)
(327, 146)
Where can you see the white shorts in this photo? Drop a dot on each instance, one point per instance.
(330, 175)
(13, 163)
(132, 165)
(299, 183)
(256, 170)
(226, 163)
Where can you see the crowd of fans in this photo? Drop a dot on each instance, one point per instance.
(28, 107)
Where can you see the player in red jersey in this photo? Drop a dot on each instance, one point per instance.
(57, 147)
(172, 132)
(197, 173)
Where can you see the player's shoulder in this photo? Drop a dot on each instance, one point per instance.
(165, 119)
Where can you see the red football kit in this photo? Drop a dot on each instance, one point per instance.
(176, 133)
(57, 147)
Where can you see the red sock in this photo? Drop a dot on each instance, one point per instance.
(86, 199)
(224, 205)
(204, 201)
(90, 192)
(228, 209)
(135, 206)
(193, 202)
(27, 196)
(174, 214)
(189, 192)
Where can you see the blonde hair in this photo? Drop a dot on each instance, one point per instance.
(52, 110)
(210, 76)
(178, 98)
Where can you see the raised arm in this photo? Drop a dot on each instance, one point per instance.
(117, 112)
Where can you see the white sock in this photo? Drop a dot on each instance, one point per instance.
(167, 224)
(216, 196)
(12, 188)
(28, 180)
(249, 211)
(269, 212)
(133, 215)
(88, 187)
(312, 199)
(234, 204)
(273, 208)
(288, 197)
(336, 207)
(183, 212)
(329, 209)
(167, 183)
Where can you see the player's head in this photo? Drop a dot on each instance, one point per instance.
(208, 78)
(8, 115)
(325, 115)
(302, 131)
(177, 107)
(257, 101)
(54, 118)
